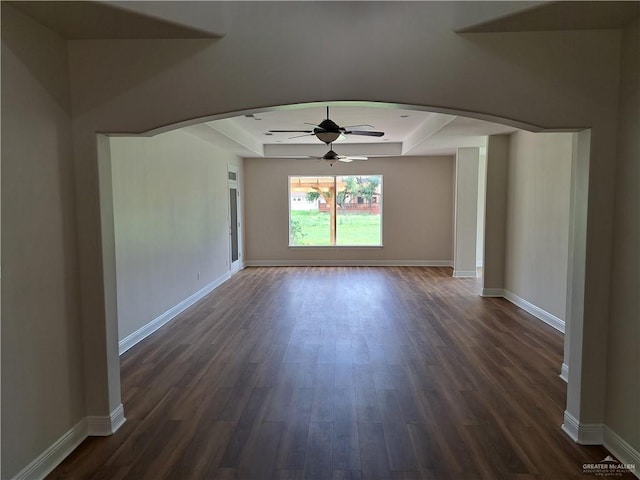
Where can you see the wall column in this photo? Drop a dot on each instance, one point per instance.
(574, 340)
(94, 194)
(466, 212)
(495, 215)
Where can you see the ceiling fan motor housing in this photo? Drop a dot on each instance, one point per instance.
(328, 131)
(328, 126)
(331, 155)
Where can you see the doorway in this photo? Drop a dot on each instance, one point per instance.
(235, 254)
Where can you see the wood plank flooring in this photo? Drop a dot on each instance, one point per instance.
(341, 373)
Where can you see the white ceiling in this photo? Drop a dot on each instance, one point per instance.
(406, 132)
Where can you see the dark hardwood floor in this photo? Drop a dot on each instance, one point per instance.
(342, 373)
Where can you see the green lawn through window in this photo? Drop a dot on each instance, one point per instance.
(312, 228)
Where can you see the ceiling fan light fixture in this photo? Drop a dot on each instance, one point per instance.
(327, 137)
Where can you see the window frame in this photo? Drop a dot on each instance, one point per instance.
(379, 203)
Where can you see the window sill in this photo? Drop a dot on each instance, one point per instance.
(335, 246)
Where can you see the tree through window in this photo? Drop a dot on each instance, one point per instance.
(335, 210)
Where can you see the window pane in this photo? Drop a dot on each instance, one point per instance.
(359, 210)
(318, 216)
(309, 207)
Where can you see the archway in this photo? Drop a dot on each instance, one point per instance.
(576, 222)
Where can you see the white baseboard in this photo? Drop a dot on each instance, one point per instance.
(564, 372)
(543, 315)
(146, 330)
(600, 434)
(528, 307)
(105, 426)
(349, 263)
(570, 426)
(241, 266)
(624, 452)
(465, 273)
(584, 434)
(492, 292)
(44, 464)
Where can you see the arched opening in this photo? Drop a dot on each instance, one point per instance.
(580, 152)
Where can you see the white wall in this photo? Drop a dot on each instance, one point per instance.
(482, 192)
(417, 210)
(42, 374)
(171, 222)
(466, 212)
(537, 219)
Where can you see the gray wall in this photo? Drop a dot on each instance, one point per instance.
(623, 361)
(495, 214)
(42, 374)
(537, 219)
(137, 85)
(417, 210)
(171, 232)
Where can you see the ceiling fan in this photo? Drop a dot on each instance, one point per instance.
(328, 131)
(332, 157)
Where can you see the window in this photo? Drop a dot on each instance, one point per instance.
(335, 211)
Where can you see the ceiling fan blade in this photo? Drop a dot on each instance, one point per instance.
(364, 132)
(291, 131)
(348, 127)
(300, 136)
(348, 158)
